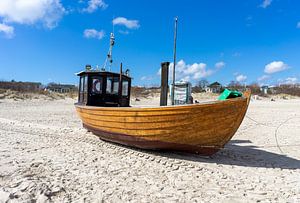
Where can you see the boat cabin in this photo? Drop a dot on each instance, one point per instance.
(102, 88)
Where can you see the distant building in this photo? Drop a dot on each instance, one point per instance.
(21, 86)
(214, 88)
(61, 88)
(264, 89)
(272, 89)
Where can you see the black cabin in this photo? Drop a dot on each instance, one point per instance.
(102, 88)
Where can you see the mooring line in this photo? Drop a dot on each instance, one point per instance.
(255, 121)
(275, 133)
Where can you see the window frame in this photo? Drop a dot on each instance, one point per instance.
(81, 82)
(113, 88)
(100, 79)
(125, 91)
(85, 84)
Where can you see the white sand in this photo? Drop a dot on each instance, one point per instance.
(45, 155)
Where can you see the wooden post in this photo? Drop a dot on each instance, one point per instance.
(164, 83)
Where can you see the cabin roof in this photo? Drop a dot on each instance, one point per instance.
(214, 84)
(98, 72)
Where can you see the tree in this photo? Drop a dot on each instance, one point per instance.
(255, 88)
(234, 85)
(203, 83)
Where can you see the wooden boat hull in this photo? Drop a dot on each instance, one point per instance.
(198, 128)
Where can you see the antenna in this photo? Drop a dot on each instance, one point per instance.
(113, 25)
(174, 62)
(109, 55)
(111, 44)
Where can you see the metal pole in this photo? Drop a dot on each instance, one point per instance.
(112, 43)
(174, 62)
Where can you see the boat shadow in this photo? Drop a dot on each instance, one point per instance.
(236, 152)
(243, 155)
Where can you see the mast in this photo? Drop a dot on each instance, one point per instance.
(111, 44)
(109, 55)
(174, 62)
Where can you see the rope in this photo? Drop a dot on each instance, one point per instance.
(256, 121)
(275, 134)
(277, 131)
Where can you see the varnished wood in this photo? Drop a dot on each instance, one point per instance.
(201, 128)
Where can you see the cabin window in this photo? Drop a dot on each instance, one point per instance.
(125, 88)
(85, 88)
(112, 85)
(115, 87)
(81, 84)
(108, 85)
(97, 85)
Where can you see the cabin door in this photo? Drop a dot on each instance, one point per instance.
(96, 91)
(83, 90)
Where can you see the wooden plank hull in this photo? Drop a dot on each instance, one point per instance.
(198, 128)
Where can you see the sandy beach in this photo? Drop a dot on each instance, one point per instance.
(46, 156)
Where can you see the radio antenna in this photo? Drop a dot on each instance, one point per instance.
(174, 62)
(111, 44)
(109, 55)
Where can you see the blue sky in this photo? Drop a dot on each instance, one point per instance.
(246, 41)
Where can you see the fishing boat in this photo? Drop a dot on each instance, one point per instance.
(198, 128)
(203, 128)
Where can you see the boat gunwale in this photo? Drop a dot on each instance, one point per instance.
(85, 115)
(159, 108)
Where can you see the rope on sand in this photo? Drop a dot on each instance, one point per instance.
(276, 131)
(256, 121)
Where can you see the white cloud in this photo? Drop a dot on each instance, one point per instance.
(220, 64)
(266, 3)
(130, 24)
(291, 80)
(189, 72)
(7, 30)
(195, 71)
(146, 78)
(94, 5)
(186, 78)
(298, 25)
(124, 32)
(48, 12)
(92, 33)
(241, 78)
(275, 66)
(264, 77)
